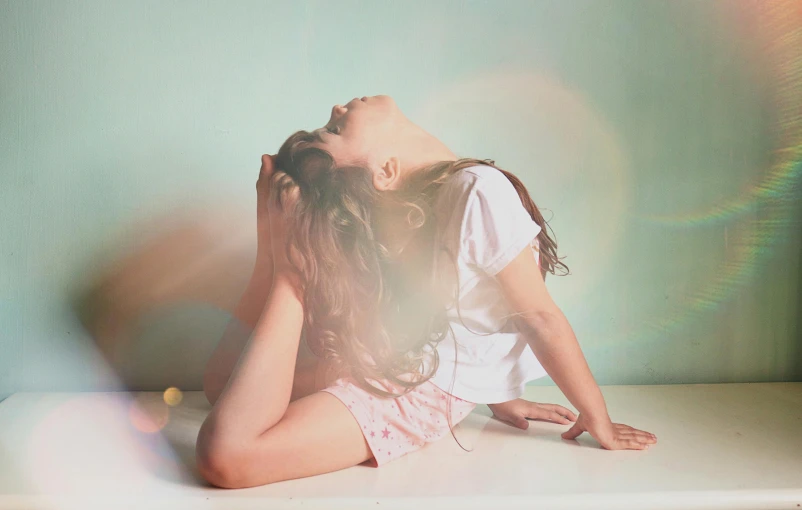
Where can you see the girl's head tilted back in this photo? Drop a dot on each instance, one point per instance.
(372, 133)
(362, 238)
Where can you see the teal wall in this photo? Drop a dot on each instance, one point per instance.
(652, 133)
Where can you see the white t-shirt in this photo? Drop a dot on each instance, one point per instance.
(482, 221)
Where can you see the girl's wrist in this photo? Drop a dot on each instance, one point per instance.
(263, 267)
(288, 277)
(253, 299)
(593, 405)
(262, 273)
(597, 417)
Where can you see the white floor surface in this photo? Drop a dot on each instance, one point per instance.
(727, 446)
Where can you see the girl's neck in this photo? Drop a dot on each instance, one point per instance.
(420, 149)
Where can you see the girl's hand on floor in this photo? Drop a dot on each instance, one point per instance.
(516, 412)
(611, 436)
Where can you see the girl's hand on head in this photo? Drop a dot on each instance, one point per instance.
(611, 436)
(272, 215)
(516, 412)
(264, 250)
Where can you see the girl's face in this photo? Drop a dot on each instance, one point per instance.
(362, 132)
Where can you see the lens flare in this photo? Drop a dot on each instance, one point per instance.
(777, 26)
(147, 414)
(565, 151)
(83, 444)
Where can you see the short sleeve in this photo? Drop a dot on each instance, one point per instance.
(496, 227)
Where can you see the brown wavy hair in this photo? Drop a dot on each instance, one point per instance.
(360, 313)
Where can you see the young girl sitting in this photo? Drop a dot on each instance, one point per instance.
(396, 286)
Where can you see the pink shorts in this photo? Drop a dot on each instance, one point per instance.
(394, 427)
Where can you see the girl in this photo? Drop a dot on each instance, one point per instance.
(395, 287)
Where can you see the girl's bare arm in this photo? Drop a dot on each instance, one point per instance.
(553, 341)
(246, 314)
(258, 392)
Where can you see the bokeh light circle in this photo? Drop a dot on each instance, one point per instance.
(550, 136)
(173, 396)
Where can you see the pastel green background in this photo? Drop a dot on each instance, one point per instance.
(612, 113)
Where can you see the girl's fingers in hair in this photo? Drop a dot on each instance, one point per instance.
(267, 166)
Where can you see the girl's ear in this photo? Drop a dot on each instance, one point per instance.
(389, 175)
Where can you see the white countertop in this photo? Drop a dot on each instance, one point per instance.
(719, 446)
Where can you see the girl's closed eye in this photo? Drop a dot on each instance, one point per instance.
(335, 130)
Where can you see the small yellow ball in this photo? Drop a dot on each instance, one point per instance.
(172, 396)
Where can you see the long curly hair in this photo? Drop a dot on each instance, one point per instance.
(360, 313)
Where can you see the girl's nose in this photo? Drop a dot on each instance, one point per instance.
(337, 111)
